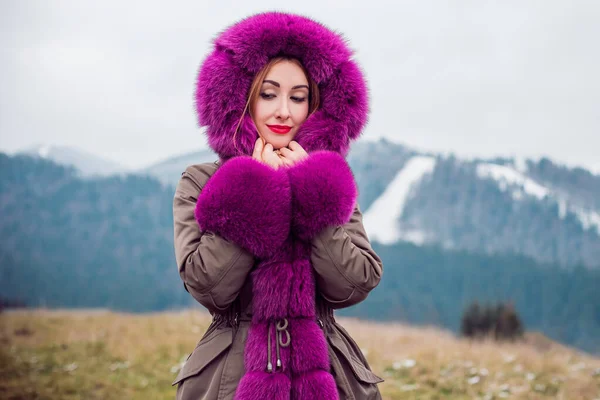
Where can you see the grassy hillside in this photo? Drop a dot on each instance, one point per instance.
(96, 354)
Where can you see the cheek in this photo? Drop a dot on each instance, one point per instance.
(300, 112)
(262, 110)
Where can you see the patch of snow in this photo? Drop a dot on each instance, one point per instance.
(520, 164)
(509, 177)
(414, 236)
(381, 220)
(562, 209)
(44, 151)
(588, 219)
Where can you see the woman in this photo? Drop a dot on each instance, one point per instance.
(270, 237)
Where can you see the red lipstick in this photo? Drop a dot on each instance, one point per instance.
(280, 129)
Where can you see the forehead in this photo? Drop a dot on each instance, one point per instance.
(287, 73)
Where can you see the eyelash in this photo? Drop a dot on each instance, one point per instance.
(270, 96)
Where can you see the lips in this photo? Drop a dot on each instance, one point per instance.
(280, 129)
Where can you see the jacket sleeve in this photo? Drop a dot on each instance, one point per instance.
(346, 266)
(326, 213)
(212, 268)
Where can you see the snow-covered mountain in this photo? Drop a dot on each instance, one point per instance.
(90, 165)
(536, 208)
(86, 163)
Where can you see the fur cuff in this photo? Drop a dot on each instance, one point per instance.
(249, 203)
(323, 193)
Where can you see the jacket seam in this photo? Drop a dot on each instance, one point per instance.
(193, 179)
(224, 272)
(339, 301)
(340, 370)
(340, 270)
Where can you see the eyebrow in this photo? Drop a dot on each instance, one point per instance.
(276, 84)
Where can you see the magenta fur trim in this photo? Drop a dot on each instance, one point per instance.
(244, 48)
(309, 346)
(271, 290)
(302, 304)
(284, 290)
(323, 193)
(248, 203)
(262, 385)
(314, 385)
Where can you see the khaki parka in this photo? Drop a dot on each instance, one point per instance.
(216, 273)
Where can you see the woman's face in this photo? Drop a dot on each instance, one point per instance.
(282, 105)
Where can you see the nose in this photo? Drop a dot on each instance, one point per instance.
(283, 111)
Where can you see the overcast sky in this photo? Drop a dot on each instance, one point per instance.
(478, 78)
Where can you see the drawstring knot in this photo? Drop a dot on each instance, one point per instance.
(281, 330)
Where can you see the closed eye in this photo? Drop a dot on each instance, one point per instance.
(267, 96)
(298, 99)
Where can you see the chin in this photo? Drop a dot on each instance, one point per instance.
(279, 141)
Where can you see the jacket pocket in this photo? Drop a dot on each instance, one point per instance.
(208, 350)
(353, 362)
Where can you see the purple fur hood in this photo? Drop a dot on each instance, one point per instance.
(244, 48)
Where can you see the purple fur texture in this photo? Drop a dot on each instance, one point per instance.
(243, 49)
(248, 203)
(309, 346)
(323, 193)
(271, 290)
(314, 385)
(302, 300)
(262, 385)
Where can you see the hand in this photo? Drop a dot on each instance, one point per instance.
(265, 154)
(292, 154)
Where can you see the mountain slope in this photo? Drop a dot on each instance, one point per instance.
(169, 171)
(86, 163)
(535, 208)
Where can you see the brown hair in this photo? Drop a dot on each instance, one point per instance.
(314, 98)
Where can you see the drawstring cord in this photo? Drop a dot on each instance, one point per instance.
(269, 365)
(280, 330)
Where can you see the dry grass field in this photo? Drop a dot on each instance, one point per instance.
(97, 354)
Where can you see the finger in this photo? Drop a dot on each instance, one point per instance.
(268, 148)
(287, 152)
(295, 146)
(268, 153)
(287, 162)
(272, 159)
(258, 148)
